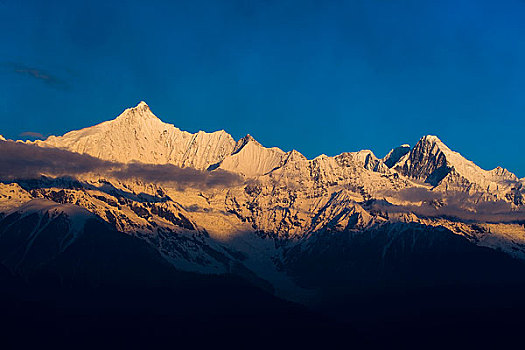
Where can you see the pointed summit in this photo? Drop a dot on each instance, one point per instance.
(137, 113)
(294, 156)
(249, 137)
(431, 138)
(250, 158)
(142, 104)
(243, 142)
(143, 107)
(427, 161)
(434, 140)
(432, 161)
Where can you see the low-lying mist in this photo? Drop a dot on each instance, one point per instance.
(25, 161)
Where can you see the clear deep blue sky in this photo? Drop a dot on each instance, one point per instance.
(316, 76)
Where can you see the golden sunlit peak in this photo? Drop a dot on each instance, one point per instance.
(142, 105)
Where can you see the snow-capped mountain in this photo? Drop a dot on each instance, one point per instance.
(433, 162)
(287, 209)
(138, 135)
(250, 158)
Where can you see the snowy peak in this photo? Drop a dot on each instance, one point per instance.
(295, 156)
(368, 160)
(139, 119)
(138, 135)
(251, 159)
(395, 155)
(468, 169)
(138, 113)
(432, 139)
(142, 104)
(425, 161)
(431, 161)
(243, 142)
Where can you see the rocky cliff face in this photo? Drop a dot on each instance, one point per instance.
(432, 162)
(427, 162)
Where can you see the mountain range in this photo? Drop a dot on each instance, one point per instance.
(135, 201)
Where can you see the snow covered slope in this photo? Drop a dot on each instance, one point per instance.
(138, 135)
(38, 231)
(251, 159)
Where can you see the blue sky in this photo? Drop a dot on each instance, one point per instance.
(316, 76)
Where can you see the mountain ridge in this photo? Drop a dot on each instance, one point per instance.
(220, 145)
